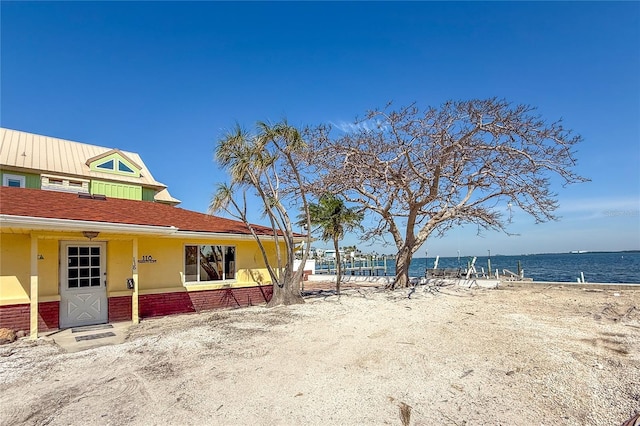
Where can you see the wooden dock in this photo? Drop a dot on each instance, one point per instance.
(364, 267)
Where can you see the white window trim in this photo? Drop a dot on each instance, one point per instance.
(223, 281)
(7, 176)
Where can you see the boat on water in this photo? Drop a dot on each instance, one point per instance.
(578, 251)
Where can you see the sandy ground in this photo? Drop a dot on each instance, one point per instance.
(456, 356)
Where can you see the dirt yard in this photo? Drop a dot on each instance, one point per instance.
(455, 356)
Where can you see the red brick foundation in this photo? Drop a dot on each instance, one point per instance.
(17, 317)
(120, 308)
(152, 305)
(48, 316)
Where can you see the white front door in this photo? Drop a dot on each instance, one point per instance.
(83, 284)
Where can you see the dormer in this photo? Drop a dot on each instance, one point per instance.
(116, 162)
(43, 162)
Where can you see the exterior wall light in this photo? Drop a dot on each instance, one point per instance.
(90, 234)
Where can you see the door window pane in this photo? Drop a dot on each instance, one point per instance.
(83, 268)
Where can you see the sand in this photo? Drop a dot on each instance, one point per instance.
(517, 355)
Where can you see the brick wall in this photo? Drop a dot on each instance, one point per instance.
(17, 317)
(184, 302)
(120, 308)
(153, 305)
(48, 316)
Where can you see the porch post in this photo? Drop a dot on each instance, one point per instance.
(135, 317)
(33, 292)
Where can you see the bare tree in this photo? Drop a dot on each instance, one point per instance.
(421, 172)
(265, 164)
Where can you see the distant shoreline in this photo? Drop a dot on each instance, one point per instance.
(530, 254)
(391, 255)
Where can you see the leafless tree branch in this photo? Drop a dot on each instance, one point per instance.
(422, 172)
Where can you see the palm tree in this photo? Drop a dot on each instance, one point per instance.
(334, 219)
(265, 162)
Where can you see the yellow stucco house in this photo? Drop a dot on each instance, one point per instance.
(89, 237)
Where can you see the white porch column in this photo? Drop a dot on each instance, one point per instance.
(33, 291)
(135, 316)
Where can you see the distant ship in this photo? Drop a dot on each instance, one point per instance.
(578, 251)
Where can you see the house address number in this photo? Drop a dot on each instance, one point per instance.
(147, 259)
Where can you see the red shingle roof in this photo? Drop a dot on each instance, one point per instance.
(61, 205)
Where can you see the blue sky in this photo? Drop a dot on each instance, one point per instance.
(167, 79)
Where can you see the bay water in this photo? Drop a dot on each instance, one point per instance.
(597, 267)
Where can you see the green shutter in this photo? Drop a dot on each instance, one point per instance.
(148, 194)
(116, 190)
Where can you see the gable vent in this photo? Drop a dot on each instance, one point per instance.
(87, 196)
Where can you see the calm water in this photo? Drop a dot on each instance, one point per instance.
(616, 267)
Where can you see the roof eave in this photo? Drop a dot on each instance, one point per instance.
(50, 224)
(222, 235)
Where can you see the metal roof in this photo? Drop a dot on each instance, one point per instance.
(44, 154)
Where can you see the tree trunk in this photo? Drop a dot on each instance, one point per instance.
(403, 260)
(338, 266)
(284, 295)
(286, 291)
